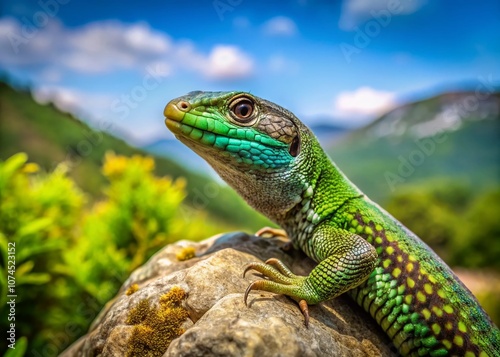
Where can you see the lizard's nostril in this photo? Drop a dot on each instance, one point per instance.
(176, 110)
(183, 105)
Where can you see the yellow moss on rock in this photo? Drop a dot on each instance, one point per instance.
(139, 312)
(156, 328)
(186, 253)
(132, 289)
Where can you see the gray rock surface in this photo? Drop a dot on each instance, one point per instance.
(218, 323)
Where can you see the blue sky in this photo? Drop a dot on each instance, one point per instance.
(117, 63)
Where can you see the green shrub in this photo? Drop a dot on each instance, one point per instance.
(462, 228)
(72, 256)
(477, 241)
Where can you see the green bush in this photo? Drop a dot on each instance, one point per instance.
(463, 229)
(37, 214)
(72, 256)
(478, 234)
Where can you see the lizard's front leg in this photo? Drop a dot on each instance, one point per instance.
(345, 261)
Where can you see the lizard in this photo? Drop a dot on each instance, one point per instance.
(275, 162)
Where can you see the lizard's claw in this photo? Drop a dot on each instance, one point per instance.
(275, 270)
(266, 232)
(280, 280)
(305, 311)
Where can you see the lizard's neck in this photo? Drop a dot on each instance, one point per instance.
(310, 190)
(321, 198)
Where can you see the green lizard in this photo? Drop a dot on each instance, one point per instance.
(277, 165)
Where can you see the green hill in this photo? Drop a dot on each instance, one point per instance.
(453, 136)
(50, 136)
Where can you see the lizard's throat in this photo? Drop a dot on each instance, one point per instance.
(268, 194)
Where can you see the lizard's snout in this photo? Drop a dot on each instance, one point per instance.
(176, 109)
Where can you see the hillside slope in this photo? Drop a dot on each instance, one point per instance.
(49, 137)
(450, 136)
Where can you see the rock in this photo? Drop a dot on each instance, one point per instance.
(195, 308)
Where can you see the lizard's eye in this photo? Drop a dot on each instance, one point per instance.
(242, 110)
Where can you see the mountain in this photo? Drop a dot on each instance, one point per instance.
(50, 136)
(328, 133)
(450, 136)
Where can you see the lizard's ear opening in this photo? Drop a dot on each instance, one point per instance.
(294, 149)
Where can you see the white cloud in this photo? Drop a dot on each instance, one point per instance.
(277, 63)
(363, 102)
(106, 46)
(70, 100)
(14, 47)
(280, 26)
(95, 48)
(50, 75)
(355, 12)
(227, 62)
(102, 46)
(280, 64)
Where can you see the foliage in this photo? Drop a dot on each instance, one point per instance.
(71, 256)
(478, 243)
(20, 350)
(430, 211)
(462, 228)
(38, 216)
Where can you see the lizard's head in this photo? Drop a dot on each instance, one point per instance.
(253, 144)
(237, 128)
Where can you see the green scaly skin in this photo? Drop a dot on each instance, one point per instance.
(277, 165)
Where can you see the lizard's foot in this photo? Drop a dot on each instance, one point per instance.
(268, 232)
(345, 261)
(282, 281)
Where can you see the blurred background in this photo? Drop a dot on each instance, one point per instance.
(403, 95)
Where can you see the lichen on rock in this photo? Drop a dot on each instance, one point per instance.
(195, 308)
(186, 253)
(132, 289)
(156, 328)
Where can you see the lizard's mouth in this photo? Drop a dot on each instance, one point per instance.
(176, 128)
(173, 125)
